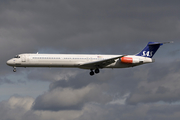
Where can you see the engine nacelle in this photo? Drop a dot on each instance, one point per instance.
(129, 60)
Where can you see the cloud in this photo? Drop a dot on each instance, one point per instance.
(155, 88)
(52, 74)
(138, 85)
(20, 102)
(70, 99)
(96, 26)
(143, 111)
(18, 108)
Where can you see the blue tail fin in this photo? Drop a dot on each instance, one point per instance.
(150, 49)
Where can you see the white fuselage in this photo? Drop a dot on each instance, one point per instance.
(72, 60)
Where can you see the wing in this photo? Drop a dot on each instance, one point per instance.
(100, 64)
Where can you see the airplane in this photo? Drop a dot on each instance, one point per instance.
(92, 62)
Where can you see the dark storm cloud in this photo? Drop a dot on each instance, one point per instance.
(80, 80)
(18, 108)
(154, 87)
(30, 25)
(52, 74)
(84, 26)
(139, 112)
(143, 84)
(70, 99)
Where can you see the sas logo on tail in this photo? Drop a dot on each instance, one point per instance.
(148, 53)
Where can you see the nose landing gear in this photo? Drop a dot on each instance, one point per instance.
(14, 70)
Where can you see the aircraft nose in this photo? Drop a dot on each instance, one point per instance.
(9, 62)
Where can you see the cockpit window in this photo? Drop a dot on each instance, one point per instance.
(17, 56)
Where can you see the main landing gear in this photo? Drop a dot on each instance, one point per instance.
(96, 71)
(14, 70)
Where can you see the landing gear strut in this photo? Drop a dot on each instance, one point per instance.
(14, 70)
(96, 71)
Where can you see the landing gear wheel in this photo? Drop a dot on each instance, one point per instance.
(91, 73)
(14, 70)
(96, 71)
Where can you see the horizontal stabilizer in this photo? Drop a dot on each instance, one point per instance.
(158, 43)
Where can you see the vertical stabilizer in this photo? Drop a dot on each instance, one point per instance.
(150, 49)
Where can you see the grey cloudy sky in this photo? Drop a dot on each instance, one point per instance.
(97, 26)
